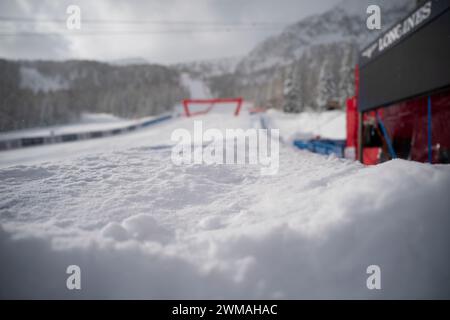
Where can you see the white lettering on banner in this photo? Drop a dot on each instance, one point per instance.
(400, 30)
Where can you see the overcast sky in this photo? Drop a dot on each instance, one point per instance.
(181, 30)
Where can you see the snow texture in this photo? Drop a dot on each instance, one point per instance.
(309, 125)
(141, 227)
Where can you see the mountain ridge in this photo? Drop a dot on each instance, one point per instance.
(311, 62)
(306, 67)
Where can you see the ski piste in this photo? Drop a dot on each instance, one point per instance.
(116, 180)
(220, 227)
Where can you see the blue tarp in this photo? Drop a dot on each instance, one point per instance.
(325, 147)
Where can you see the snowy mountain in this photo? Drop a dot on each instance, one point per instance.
(129, 61)
(39, 93)
(307, 66)
(343, 23)
(209, 68)
(315, 58)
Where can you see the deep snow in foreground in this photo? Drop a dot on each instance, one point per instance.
(141, 227)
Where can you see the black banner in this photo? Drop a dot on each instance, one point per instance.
(411, 59)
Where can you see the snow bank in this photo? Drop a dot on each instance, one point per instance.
(153, 136)
(140, 227)
(88, 122)
(308, 125)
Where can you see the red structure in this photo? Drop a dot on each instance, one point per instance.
(209, 104)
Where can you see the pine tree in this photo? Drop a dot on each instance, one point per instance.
(328, 90)
(292, 94)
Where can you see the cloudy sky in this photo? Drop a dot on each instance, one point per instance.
(160, 31)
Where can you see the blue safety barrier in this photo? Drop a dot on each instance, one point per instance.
(324, 147)
(43, 140)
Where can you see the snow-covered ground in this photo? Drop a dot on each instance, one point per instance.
(141, 227)
(309, 125)
(88, 122)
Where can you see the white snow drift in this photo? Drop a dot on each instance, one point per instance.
(141, 227)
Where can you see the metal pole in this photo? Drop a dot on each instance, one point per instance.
(360, 134)
(386, 137)
(430, 132)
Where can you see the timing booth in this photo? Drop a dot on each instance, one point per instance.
(403, 90)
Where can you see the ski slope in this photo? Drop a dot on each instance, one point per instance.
(88, 122)
(309, 125)
(140, 227)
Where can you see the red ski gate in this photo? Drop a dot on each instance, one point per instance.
(210, 104)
